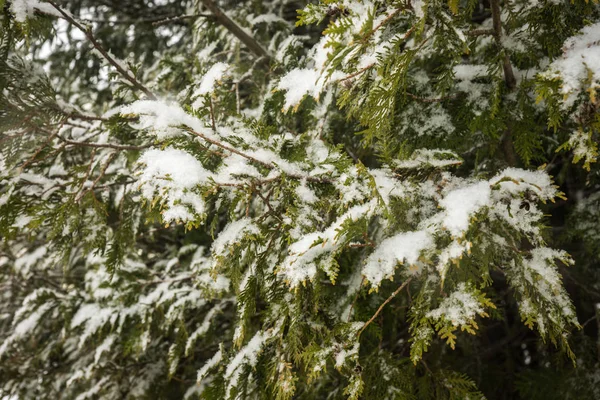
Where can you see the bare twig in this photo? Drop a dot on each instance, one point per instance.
(382, 23)
(355, 299)
(107, 56)
(229, 148)
(406, 282)
(509, 76)
(160, 20)
(255, 160)
(235, 29)
(100, 175)
(104, 145)
(212, 116)
(480, 32)
(430, 100)
(87, 174)
(360, 71)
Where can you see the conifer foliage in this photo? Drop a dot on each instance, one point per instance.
(287, 199)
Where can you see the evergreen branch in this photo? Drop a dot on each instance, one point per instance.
(406, 282)
(236, 30)
(255, 160)
(107, 56)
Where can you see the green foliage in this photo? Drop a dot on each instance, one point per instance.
(365, 212)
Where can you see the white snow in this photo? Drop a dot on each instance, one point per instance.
(174, 173)
(459, 308)
(404, 247)
(298, 83)
(460, 204)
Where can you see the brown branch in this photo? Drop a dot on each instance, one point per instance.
(509, 79)
(229, 148)
(360, 71)
(87, 175)
(430, 100)
(156, 21)
(480, 32)
(90, 36)
(235, 29)
(355, 299)
(104, 145)
(255, 160)
(382, 23)
(212, 116)
(406, 282)
(509, 76)
(38, 151)
(100, 175)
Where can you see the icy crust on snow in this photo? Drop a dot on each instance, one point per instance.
(172, 174)
(579, 64)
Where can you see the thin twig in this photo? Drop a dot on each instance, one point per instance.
(382, 23)
(160, 20)
(87, 174)
(360, 71)
(480, 32)
(100, 175)
(265, 164)
(212, 116)
(104, 145)
(430, 100)
(406, 282)
(509, 76)
(111, 60)
(234, 28)
(355, 299)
